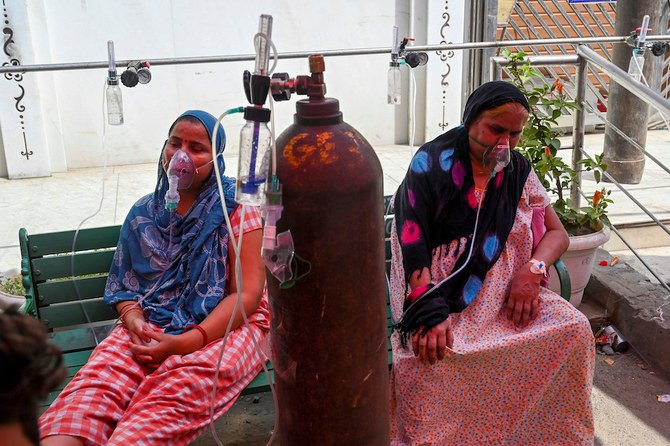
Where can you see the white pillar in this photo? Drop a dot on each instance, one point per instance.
(444, 82)
(23, 138)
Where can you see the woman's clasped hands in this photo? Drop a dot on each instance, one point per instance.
(150, 346)
(434, 344)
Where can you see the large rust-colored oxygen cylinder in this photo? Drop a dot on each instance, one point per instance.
(328, 331)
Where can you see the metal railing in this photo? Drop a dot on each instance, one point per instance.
(581, 60)
(325, 53)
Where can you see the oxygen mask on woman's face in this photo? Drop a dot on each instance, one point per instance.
(181, 172)
(181, 166)
(497, 157)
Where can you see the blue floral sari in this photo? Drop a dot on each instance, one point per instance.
(175, 266)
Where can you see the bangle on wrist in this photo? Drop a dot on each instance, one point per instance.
(127, 309)
(126, 313)
(202, 331)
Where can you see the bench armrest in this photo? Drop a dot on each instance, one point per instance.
(563, 279)
(26, 274)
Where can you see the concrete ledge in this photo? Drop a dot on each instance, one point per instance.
(632, 303)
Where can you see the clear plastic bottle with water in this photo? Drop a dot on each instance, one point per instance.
(254, 160)
(394, 85)
(114, 102)
(636, 64)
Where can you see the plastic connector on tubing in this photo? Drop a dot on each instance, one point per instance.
(272, 210)
(172, 194)
(269, 237)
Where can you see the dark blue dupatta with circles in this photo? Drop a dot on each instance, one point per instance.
(436, 204)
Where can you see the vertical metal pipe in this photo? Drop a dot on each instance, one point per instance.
(578, 132)
(411, 18)
(495, 70)
(411, 122)
(624, 161)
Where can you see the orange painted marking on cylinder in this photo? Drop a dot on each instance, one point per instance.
(326, 147)
(355, 148)
(296, 153)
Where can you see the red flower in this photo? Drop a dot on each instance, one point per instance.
(547, 151)
(597, 196)
(558, 85)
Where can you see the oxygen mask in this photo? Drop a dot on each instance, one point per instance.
(497, 157)
(279, 259)
(182, 167)
(181, 172)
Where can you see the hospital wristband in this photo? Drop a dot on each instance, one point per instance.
(538, 267)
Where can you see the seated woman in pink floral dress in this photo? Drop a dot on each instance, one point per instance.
(482, 353)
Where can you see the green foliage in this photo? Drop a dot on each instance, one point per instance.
(12, 285)
(539, 144)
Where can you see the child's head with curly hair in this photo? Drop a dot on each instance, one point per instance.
(30, 368)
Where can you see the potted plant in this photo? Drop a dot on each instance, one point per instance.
(12, 295)
(588, 225)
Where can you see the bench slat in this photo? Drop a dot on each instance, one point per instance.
(61, 242)
(67, 314)
(76, 359)
(65, 291)
(77, 339)
(59, 267)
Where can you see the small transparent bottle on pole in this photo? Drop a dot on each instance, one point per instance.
(255, 144)
(636, 64)
(394, 86)
(113, 96)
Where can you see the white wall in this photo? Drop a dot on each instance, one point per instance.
(67, 31)
(77, 31)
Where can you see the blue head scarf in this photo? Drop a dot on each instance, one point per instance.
(175, 264)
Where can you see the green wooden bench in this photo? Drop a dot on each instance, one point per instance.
(60, 285)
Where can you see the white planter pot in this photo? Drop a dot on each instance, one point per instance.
(579, 259)
(9, 301)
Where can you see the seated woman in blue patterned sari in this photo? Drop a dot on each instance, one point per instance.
(172, 282)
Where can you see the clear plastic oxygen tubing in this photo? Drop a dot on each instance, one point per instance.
(644, 81)
(641, 44)
(236, 248)
(412, 133)
(238, 303)
(412, 113)
(102, 197)
(76, 232)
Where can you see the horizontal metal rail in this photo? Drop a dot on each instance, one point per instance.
(634, 143)
(635, 253)
(625, 80)
(633, 199)
(586, 55)
(498, 62)
(327, 53)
